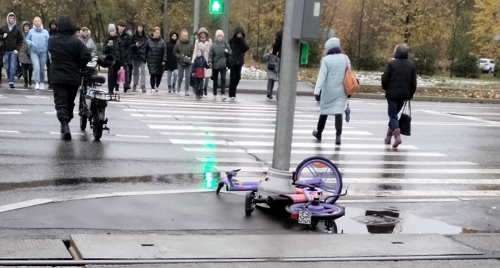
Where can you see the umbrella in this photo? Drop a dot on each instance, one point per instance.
(347, 113)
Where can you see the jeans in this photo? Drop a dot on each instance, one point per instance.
(222, 80)
(139, 65)
(184, 71)
(169, 77)
(155, 80)
(39, 59)
(10, 65)
(234, 80)
(338, 123)
(393, 109)
(64, 100)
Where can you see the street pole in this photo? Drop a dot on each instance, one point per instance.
(196, 24)
(225, 20)
(165, 30)
(279, 179)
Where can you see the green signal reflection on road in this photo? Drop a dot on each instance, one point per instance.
(208, 179)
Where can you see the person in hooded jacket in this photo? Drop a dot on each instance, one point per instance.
(87, 40)
(112, 45)
(204, 43)
(126, 48)
(183, 50)
(239, 47)
(400, 83)
(12, 43)
(330, 88)
(69, 55)
(38, 41)
(156, 57)
(24, 57)
(171, 65)
(217, 58)
(277, 43)
(138, 57)
(52, 31)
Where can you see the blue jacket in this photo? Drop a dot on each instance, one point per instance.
(38, 40)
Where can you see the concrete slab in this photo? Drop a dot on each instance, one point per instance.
(354, 264)
(486, 243)
(262, 246)
(33, 249)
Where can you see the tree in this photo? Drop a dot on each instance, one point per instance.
(425, 57)
(486, 26)
(460, 43)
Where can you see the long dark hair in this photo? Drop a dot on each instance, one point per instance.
(334, 50)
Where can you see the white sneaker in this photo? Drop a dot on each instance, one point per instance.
(223, 98)
(215, 97)
(37, 86)
(233, 98)
(42, 86)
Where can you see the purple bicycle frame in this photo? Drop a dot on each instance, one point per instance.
(238, 187)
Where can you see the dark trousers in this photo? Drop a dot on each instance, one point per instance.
(215, 76)
(393, 109)
(270, 87)
(27, 73)
(48, 72)
(128, 73)
(234, 79)
(338, 123)
(1, 71)
(64, 100)
(113, 78)
(155, 80)
(198, 86)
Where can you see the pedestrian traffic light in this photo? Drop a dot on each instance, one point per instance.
(304, 53)
(216, 7)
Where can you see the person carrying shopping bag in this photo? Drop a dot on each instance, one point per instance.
(400, 83)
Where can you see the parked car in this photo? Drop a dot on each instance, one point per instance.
(486, 65)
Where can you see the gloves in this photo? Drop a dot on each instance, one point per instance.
(317, 97)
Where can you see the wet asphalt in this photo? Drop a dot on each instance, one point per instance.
(168, 142)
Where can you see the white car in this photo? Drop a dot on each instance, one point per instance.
(486, 65)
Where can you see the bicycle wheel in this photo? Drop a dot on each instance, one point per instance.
(329, 170)
(321, 212)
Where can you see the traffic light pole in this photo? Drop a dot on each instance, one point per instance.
(225, 19)
(279, 177)
(196, 24)
(165, 29)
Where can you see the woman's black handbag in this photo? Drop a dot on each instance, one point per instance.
(405, 120)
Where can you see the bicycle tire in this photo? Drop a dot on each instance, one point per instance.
(337, 213)
(333, 167)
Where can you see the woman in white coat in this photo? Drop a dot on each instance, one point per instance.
(204, 43)
(330, 88)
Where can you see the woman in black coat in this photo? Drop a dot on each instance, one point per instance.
(171, 65)
(156, 57)
(400, 83)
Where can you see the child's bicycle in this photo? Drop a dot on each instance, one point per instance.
(306, 205)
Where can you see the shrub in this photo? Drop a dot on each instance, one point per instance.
(425, 57)
(467, 67)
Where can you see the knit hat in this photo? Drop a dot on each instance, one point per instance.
(111, 27)
(219, 32)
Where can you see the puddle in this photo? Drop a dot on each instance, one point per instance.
(390, 221)
(185, 180)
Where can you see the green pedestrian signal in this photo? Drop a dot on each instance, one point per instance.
(304, 53)
(216, 7)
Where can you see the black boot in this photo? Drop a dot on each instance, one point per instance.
(66, 133)
(317, 134)
(338, 128)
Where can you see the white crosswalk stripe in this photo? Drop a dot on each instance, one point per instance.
(227, 135)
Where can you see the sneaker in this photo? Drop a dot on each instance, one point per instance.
(25, 86)
(134, 88)
(223, 98)
(186, 94)
(215, 97)
(156, 90)
(11, 85)
(233, 98)
(42, 86)
(37, 86)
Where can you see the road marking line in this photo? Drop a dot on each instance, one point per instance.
(347, 162)
(72, 133)
(211, 117)
(10, 113)
(37, 97)
(17, 110)
(132, 136)
(307, 137)
(382, 170)
(218, 112)
(294, 144)
(54, 112)
(9, 131)
(248, 130)
(346, 181)
(311, 152)
(207, 124)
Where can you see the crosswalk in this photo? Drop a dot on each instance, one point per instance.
(223, 136)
